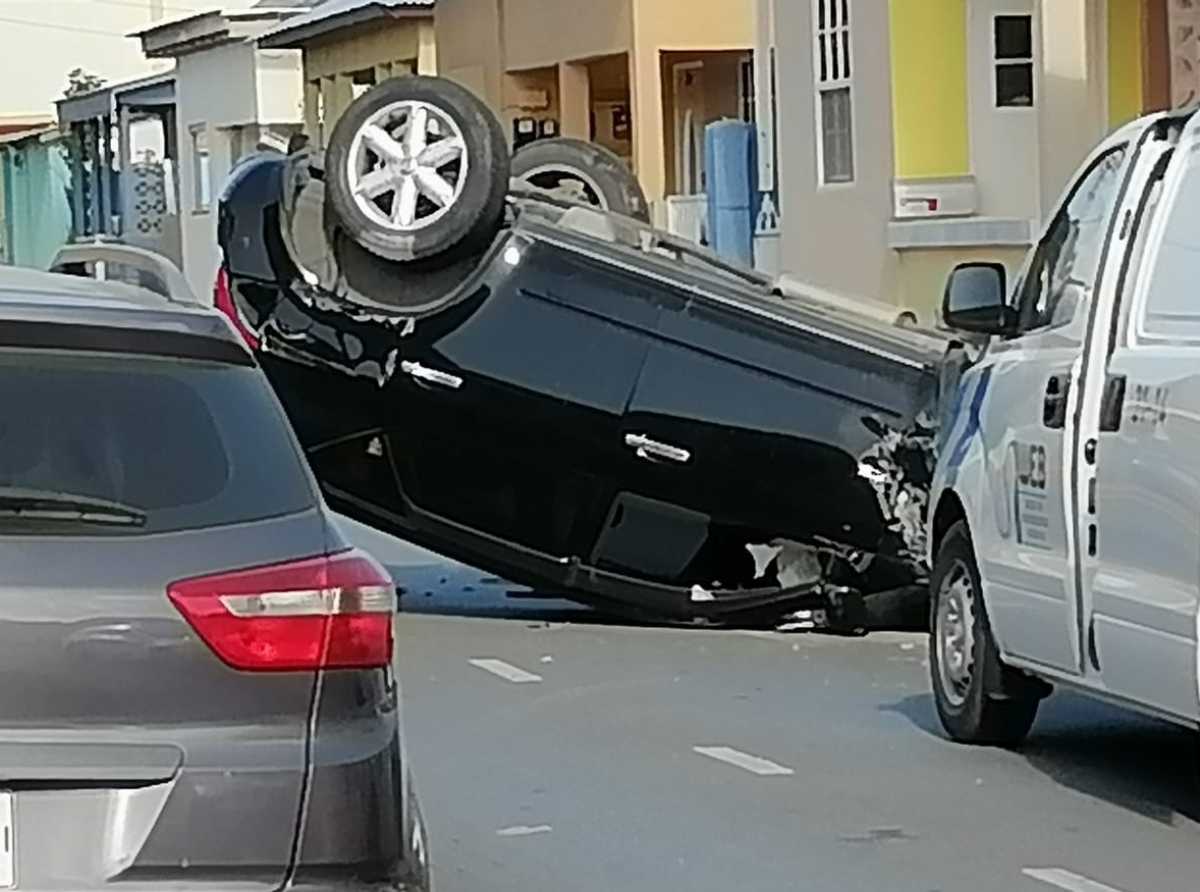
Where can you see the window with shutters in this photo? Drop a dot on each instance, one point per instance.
(833, 75)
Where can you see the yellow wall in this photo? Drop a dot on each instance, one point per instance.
(1125, 100)
(929, 87)
(666, 25)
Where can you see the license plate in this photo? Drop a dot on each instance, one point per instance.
(8, 842)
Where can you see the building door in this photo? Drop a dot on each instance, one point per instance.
(690, 117)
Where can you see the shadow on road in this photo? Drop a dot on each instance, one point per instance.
(1142, 765)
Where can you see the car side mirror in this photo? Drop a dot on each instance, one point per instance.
(976, 299)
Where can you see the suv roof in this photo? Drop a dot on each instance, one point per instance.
(34, 296)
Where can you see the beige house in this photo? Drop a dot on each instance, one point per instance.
(641, 77)
(229, 94)
(349, 45)
(910, 135)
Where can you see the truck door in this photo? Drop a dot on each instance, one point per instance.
(1138, 487)
(1029, 564)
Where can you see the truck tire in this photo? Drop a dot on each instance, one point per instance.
(412, 198)
(978, 699)
(584, 171)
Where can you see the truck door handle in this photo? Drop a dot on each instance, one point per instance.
(1112, 404)
(430, 376)
(652, 449)
(1054, 406)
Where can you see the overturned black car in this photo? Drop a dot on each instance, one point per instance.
(555, 392)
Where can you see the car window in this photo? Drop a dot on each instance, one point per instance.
(1062, 273)
(1170, 308)
(192, 444)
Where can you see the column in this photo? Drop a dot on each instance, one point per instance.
(764, 91)
(426, 49)
(647, 121)
(107, 224)
(312, 112)
(124, 162)
(1072, 116)
(574, 100)
(338, 92)
(78, 209)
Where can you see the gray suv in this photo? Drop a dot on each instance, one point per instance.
(196, 681)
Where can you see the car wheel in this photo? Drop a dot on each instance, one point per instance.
(582, 171)
(417, 167)
(901, 610)
(978, 699)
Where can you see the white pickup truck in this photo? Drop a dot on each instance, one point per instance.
(1065, 509)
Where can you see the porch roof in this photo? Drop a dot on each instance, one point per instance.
(201, 30)
(154, 91)
(36, 134)
(330, 16)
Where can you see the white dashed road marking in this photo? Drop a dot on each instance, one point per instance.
(1064, 879)
(745, 761)
(525, 831)
(507, 671)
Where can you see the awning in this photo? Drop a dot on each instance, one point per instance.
(155, 91)
(333, 15)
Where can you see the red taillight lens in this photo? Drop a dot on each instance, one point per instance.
(333, 612)
(223, 301)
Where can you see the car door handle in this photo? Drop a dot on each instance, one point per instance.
(652, 449)
(1054, 405)
(1112, 404)
(430, 376)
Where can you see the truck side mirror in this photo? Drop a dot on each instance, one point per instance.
(976, 299)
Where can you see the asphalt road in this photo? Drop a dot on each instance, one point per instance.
(556, 752)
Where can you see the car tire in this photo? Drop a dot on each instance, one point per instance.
(470, 184)
(584, 171)
(978, 699)
(899, 610)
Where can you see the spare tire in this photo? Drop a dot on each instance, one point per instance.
(584, 171)
(417, 167)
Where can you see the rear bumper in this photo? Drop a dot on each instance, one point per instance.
(362, 827)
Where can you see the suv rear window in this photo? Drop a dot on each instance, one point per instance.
(191, 444)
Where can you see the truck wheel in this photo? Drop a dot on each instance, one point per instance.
(978, 699)
(417, 166)
(583, 171)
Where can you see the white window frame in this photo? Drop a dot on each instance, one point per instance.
(201, 164)
(836, 51)
(994, 61)
(747, 87)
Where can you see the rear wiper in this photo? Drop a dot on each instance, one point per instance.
(17, 503)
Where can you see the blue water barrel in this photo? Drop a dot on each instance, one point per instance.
(730, 171)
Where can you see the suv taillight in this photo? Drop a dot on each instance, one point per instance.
(223, 301)
(333, 612)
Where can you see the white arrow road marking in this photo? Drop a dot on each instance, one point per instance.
(1064, 879)
(753, 764)
(507, 671)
